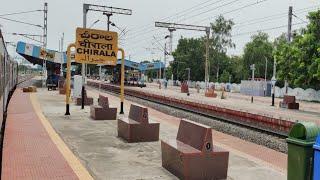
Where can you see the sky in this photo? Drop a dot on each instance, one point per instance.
(142, 40)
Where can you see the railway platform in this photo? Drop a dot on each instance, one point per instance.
(309, 111)
(31, 148)
(95, 148)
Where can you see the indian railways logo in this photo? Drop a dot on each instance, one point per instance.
(96, 47)
(47, 55)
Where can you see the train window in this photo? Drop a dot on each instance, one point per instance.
(7, 72)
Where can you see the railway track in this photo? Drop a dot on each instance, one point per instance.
(261, 129)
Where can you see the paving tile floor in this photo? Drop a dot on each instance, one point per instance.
(108, 157)
(28, 151)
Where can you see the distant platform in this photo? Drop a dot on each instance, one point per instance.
(309, 111)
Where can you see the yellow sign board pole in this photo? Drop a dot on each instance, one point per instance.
(122, 82)
(99, 47)
(68, 79)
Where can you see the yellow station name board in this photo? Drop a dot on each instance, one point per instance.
(96, 46)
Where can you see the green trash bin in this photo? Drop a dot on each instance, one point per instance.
(300, 150)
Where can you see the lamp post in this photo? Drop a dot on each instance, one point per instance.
(188, 69)
(165, 56)
(266, 70)
(178, 68)
(100, 76)
(253, 68)
(265, 77)
(273, 81)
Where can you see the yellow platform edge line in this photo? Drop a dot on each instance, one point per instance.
(72, 160)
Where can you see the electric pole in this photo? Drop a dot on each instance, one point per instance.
(165, 61)
(160, 71)
(188, 69)
(266, 70)
(45, 32)
(166, 52)
(173, 26)
(108, 14)
(289, 24)
(171, 37)
(289, 40)
(207, 65)
(273, 80)
(253, 68)
(62, 56)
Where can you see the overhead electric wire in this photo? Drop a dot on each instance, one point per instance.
(23, 12)
(284, 15)
(155, 29)
(192, 8)
(24, 34)
(254, 21)
(205, 6)
(173, 17)
(257, 22)
(307, 8)
(279, 15)
(299, 18)
(267, 29)
(159, 45)
(226, 4)
(237, 9)
(39, 41)
(183, 11)
(13, 20)
(234, 10)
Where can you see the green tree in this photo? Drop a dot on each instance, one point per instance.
(283, 54)
(235, 68)
(189, 54)
(299, 60)
(219, 43)
(169, 72)
(225, 76)
(258, 51)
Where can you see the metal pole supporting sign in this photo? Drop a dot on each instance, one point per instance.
(68, 79)
(122, 82)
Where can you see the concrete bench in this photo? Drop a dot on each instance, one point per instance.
(88, 101)
(63, 90)
(137, 128)
(29, 89)
(184, 88)
(289, 102)
(210, 93)
(102, 111)
(192, 155)
(62, 86)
